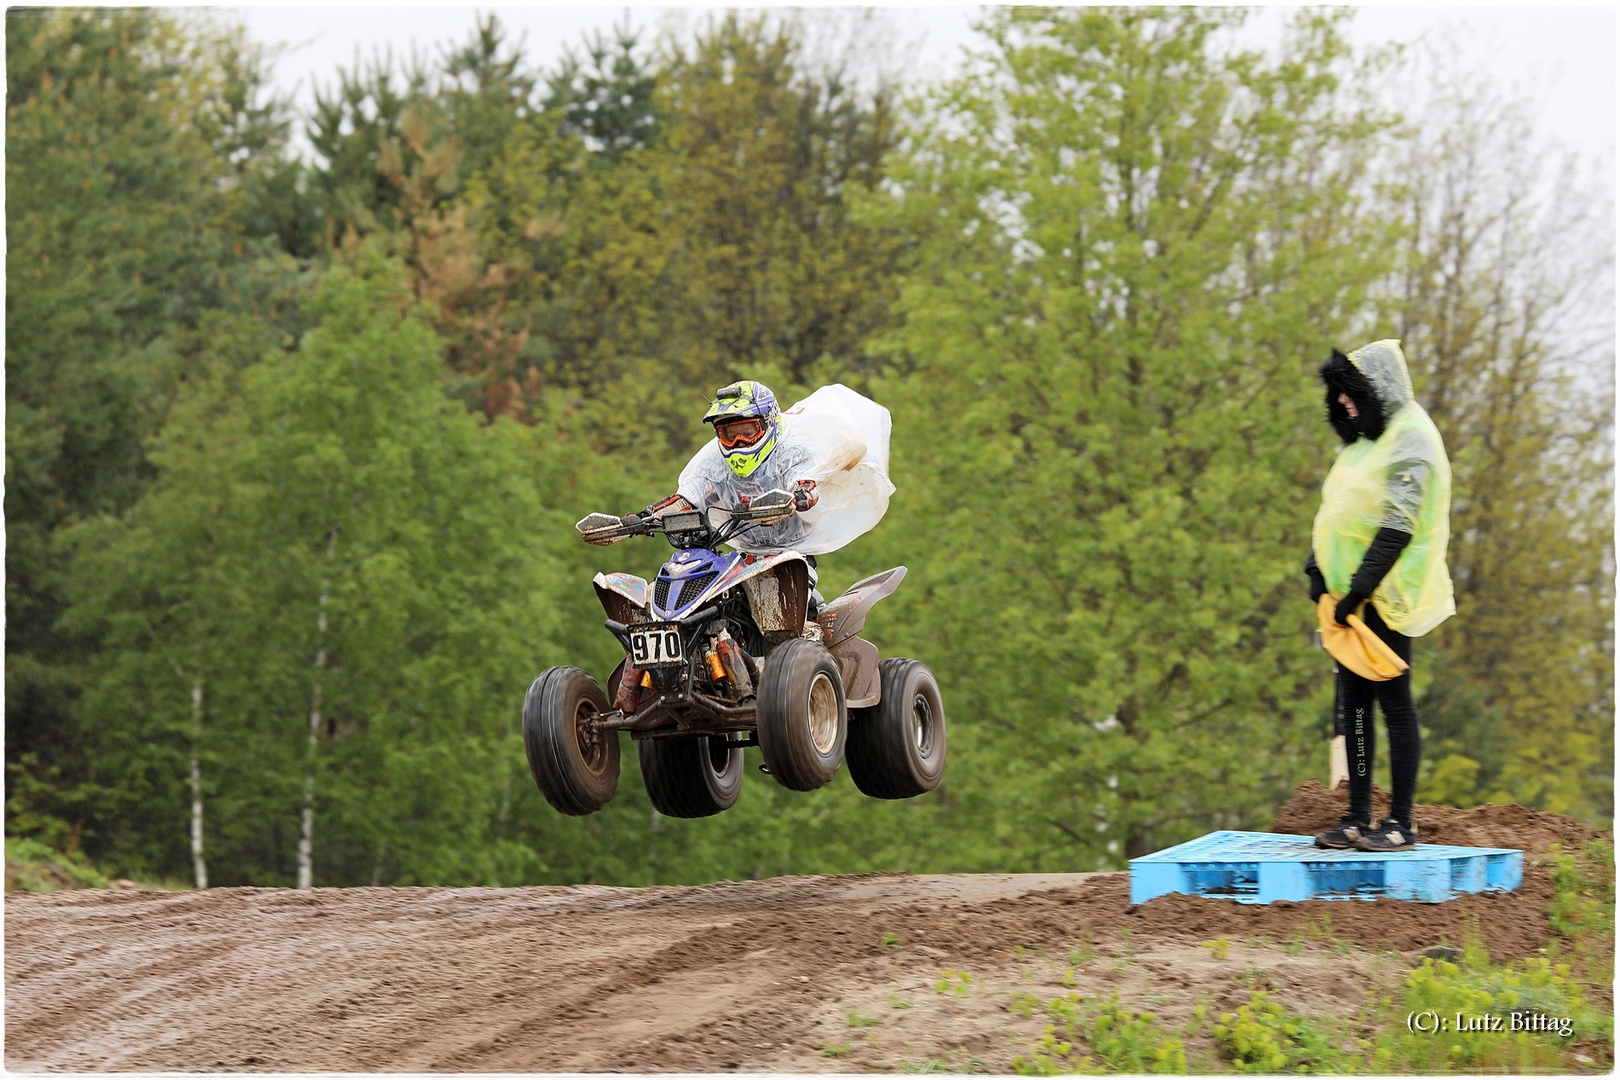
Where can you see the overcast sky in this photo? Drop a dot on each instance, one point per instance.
(1563, 58)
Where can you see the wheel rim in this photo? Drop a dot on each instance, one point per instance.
(719, 754)
(593, 747)
(922, 725)
(823, 714)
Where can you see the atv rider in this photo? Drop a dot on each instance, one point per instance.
(746, 459)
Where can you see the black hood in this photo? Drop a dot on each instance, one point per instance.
(1342, 377)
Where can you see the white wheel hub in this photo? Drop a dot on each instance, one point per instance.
(823, 714)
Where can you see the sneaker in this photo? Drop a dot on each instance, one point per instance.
(1390, 835)
(1344, 834)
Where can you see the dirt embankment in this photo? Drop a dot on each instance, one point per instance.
(804, 974)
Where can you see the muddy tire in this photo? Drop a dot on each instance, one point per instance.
(802, 717)
(575, 767)
(897, 747)
(691, 778)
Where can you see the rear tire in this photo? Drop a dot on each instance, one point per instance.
(691, 778)
(575, 766)
(897, 747)
(802, 717)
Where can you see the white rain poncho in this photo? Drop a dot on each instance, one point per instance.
(1400, 481)
(835, 437)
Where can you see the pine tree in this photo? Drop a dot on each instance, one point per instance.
(133, 146)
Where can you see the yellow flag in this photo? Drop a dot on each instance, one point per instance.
(1355, 646)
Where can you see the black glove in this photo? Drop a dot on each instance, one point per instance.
(1314, 583)
(1347, 606)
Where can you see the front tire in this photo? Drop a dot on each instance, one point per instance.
(897, 747)
(575, 764)
(693, 777)
(803, 720)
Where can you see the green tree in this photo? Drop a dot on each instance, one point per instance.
(722, 247)
(1135, 247)
(356, 571)
(1503, 298)
(133, 145)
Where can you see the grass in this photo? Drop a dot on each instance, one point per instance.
(940, 1065)
(958, 984)
(33, 867)
(859, 1020)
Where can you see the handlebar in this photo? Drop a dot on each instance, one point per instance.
(767, 509)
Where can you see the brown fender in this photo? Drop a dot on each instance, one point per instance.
(857, 661)
(846, 616)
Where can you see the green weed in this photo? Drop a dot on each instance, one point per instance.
(955, 983)
(1217, 948)
(859, 1020)
(898, 1002)
(1082, 954)
(1024, 1003)
(1263, 1037)
(835, 1050)
(1445, 990)
(1120, 1041)
(889, 941)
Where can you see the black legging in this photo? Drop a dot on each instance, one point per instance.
(1354, 718)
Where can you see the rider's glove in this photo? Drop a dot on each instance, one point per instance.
(633, 521)
(804, 495)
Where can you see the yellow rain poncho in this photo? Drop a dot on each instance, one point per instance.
(1401, 481)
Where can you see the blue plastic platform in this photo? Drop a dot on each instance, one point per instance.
(1259, 868)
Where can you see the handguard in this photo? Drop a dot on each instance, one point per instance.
(602, 529)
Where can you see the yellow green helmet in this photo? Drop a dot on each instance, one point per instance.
(746, 423)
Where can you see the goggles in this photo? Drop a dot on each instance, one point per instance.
(740, 431)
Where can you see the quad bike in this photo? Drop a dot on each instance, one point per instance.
(719, 656)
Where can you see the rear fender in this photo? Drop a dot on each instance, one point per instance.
(623, 596)
(846, 616)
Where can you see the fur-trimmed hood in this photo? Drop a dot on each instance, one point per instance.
(1376, 378)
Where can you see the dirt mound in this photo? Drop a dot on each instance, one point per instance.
(1314, 808)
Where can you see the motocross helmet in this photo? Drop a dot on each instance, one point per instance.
(746, 423)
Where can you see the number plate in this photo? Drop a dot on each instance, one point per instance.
(656, 645)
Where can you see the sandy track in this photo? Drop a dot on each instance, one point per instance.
(791, 974)
(583, 978)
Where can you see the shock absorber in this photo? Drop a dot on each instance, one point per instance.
(629, 687)
(730, 657)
